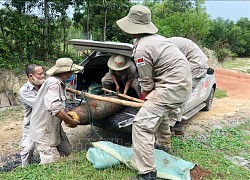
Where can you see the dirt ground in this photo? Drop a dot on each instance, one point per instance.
(230, 111)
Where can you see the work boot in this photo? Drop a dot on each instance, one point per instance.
(148, 176)
(177, 129)
(166, 148)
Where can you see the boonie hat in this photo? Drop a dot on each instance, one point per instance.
(138, 21)
(119, 62)
(64, 65)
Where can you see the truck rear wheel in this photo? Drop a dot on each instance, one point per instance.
(209, 101)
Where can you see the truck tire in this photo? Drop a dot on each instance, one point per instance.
(209, 101)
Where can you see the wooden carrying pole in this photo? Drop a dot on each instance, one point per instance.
(123, 95)
(107, 99)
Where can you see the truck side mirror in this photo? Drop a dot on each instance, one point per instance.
(210, 71)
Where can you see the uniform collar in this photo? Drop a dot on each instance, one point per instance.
(136, 41)
(63, 83)
(30, 86)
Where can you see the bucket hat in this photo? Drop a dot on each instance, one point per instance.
(118, 62)
(64, 65)
(138, 21)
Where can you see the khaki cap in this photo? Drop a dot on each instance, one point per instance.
(138, 21)
(64, 65)
(119, 62)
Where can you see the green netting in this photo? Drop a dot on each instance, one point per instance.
(106, 154)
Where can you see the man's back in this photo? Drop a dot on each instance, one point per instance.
(168, 70)
(193, 53)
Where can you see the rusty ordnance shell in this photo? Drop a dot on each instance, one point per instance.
(99, 110)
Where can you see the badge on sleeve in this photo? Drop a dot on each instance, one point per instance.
(140, 62)
(53, 88)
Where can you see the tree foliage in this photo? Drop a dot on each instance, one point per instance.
(26, 37)
(225, 34)
(20, 35)
(181, 18)
(40, 29)
(96, 18)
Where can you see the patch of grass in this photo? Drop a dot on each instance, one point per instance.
(76, 166)
(219, 93)
(209, 153)
(230, 140)
(13, 112)
(240, 64)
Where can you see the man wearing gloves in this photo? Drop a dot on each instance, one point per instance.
(49, 112)
(165, 78)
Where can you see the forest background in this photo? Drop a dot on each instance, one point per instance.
(27, 38)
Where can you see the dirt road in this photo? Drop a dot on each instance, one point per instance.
(236, 84)
(229, 111)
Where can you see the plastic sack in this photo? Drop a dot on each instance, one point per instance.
(105, 154)
(95, 88)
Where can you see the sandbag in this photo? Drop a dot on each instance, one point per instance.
(105, 154)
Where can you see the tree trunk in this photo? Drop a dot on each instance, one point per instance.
(105, 19)
(64, 31)
(46, 25)
(88, 28)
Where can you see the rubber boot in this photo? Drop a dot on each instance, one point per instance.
(148, 176)
(166, 148)
(177, 129)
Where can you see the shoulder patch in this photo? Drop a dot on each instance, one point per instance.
(27, 88)
(139, 62)
(53, 88)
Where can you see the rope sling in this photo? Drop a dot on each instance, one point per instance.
(91, 119)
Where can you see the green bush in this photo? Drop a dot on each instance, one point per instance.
(224, 53)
